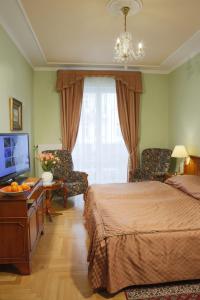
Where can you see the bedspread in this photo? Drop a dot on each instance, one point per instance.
(141, 233)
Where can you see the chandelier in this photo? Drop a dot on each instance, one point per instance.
(125, 50)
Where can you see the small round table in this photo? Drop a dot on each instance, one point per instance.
(56, 185)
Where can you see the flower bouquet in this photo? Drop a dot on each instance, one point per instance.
(48, 162)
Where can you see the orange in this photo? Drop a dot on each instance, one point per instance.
(14, 188)
(20, 189)
(14, 183)
(25, 186)
(8, 189)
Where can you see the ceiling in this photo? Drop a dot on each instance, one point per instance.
(81, 33)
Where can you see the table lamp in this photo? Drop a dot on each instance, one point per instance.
(179, 152)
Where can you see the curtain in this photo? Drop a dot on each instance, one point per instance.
(128, 109)
(129, 88)
(71, 102)
(100, 148)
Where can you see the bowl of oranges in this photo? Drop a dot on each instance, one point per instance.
(15, 189)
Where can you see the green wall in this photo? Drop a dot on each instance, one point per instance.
(154, 110)
(16, 80)
(46, 109)
(184, 104)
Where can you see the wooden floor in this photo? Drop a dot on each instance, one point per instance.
(59, 263)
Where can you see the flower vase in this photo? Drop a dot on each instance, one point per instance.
(47, 178)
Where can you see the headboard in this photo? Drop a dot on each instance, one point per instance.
(193, 168)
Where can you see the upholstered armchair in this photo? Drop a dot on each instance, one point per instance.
(75, 181)
(155, 163)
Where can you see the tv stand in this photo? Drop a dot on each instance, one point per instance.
(21, 224)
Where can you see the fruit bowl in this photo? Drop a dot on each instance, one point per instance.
(5, 191)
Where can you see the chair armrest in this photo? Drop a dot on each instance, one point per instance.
(58, 178)
(73, 176)
(77, 176)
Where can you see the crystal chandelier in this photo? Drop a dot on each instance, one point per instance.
(124, 51)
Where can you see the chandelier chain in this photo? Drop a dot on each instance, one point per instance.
(125, 23)
(125, 11)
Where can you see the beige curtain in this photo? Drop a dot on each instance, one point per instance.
(71, 102)
(129, 87)
(128, 102)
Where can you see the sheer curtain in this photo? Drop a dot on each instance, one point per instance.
(100, 150)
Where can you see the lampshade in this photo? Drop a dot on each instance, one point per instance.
(179, 151)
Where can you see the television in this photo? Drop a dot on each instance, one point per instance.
(14, 155)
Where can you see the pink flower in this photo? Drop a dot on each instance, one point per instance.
(48, 161)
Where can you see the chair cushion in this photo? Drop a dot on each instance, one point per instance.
(75, 188)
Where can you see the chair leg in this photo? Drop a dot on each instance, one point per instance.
(64, 197)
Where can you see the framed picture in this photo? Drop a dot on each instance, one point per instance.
(15, 114)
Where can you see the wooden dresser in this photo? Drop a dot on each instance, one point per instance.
(21, 224)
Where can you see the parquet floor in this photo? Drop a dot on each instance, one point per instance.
(59, 270)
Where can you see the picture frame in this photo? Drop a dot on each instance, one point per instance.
(15, 114)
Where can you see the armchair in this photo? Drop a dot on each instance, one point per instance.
(75, 181)
(155, 163)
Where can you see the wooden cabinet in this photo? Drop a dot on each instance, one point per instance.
(21, 224)
(40, 216)
(33, 230)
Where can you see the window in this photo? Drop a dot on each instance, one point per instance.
(100, 150)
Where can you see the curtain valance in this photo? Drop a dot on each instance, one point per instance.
(132, 79)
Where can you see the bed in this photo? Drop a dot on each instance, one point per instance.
(143, 233)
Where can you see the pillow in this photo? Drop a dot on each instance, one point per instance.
(190, 184)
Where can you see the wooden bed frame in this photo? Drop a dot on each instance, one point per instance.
(193, 168)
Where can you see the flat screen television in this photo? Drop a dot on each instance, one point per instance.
(14, 155)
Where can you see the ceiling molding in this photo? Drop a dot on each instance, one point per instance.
(16, 23)
(31, 29)
(100, 67)
(18, 28)
(14, 39)
(184, 53)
